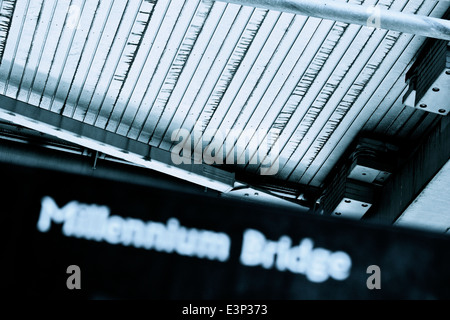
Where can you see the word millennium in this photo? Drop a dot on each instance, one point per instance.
(93, 222)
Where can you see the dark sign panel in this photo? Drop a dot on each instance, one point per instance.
(77, 237)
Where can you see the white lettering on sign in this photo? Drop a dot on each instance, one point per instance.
(317, 264)
(93, 222)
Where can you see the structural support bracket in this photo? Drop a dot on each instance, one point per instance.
(430, 155)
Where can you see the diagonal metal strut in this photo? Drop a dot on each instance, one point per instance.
(358, 14)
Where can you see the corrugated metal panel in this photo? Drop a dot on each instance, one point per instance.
(144, 69)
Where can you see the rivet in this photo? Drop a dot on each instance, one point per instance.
(435, 89)
(442, 110)
(365, 205)
(348, 201)
(423, 105)
(337, 213)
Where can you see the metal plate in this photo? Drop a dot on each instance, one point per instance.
(437, 99)
(352, 209)
(364, 174)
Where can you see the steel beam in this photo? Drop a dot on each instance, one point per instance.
(112, 144)
(132, 151)
(358, 14)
